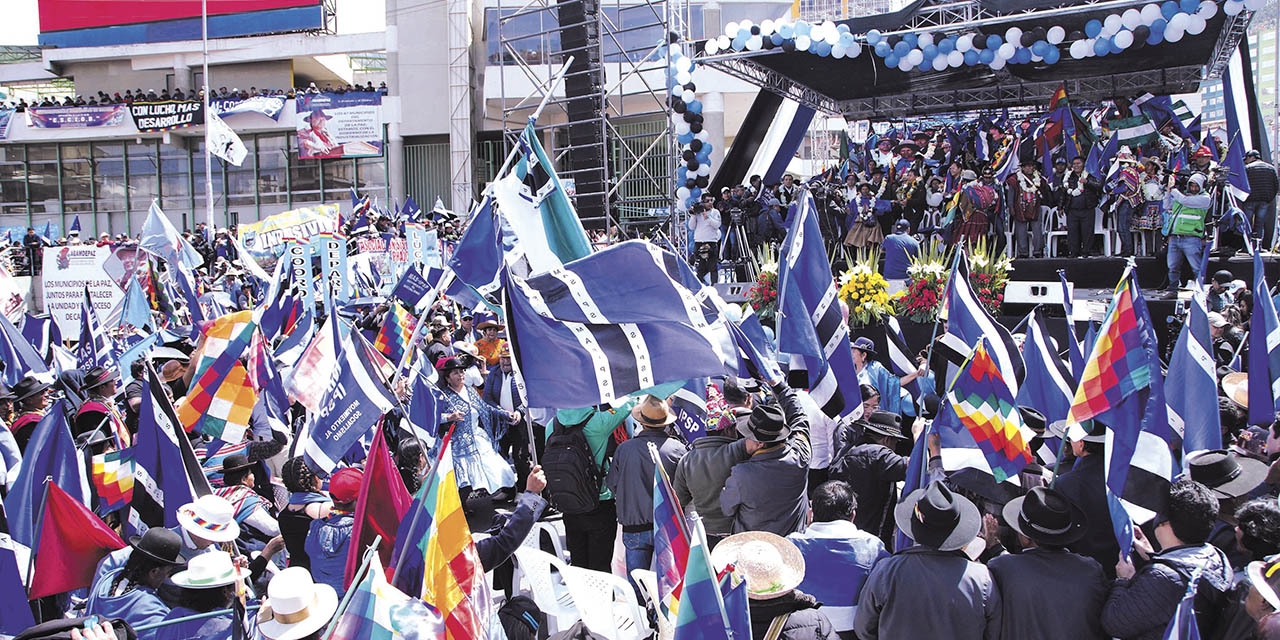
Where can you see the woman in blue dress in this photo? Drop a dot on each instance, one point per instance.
(890, 386)
(209, 584)
(477, 426)
(129, 593)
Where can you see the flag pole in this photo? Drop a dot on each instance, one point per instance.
(346, 598)
(208, 168)
(35, 539)
(413, 524)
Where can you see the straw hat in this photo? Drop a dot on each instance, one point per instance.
(209, 570)
(1236, 387)
(653, 412)
(772, 565)
(210, 518)
(296, 606)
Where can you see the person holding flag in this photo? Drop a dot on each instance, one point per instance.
(773, 568)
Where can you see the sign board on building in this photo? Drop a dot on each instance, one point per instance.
(339, 125)
(67, 271)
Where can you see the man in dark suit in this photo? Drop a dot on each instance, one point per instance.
(501, 389)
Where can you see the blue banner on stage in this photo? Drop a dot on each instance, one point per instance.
(269, 106)
(103, 115)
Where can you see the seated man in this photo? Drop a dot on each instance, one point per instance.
(838, 555)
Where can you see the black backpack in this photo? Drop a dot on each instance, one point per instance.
(522, 619)
(573, 479)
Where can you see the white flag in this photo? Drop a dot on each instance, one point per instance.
(222, 140)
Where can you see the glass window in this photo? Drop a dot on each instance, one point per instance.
(13, 176)
(273, 150)
(304, 175)
(108, 182)
(371, 177)
(240, 182)
(143, 184)
(339, 177)
(175, 182)
(77, 184)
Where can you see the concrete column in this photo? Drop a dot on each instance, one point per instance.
(182, 74)
(395, 142)
(713, 124)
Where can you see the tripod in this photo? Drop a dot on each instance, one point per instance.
(735, 252)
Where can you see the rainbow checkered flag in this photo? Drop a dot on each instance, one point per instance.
(1123, 388)
(378, 610)
(221, 398)
(112, 475)
(396, 332)
(986, 407)
(670, 539)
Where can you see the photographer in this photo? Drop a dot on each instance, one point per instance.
(1185, 227)
(704, 221)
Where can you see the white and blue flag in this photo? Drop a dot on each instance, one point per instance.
(1191, 387)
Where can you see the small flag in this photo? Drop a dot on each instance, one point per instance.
(165, 468)
(983, 402)
(94, 348)
(395, 333)
(1192, 383)
(223, 141)
(72, 542)
(710, 609)
(379, 611)
(17, 357)
(161, 239)
(112, 475)
(1264, 350)
(670, 540)
(75, 224)
(353, 401)
(51, 452)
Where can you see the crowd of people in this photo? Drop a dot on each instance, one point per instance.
(151, 95)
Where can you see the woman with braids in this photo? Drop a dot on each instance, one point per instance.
(306, 503)
(477, 427)
(210, 583)
(129, 593)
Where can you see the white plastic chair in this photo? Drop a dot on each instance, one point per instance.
(1099, 230)
(556, 536)
(607, 603)
(1054, 228)
(648, 582)
(532, 577)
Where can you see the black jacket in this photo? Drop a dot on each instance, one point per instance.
(1025, 578)
(872, 471)
(1085, 487)
(1087, 200)
(805, 621)
(1263, 181)
(506, 537)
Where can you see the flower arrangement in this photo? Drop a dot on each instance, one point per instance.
(926, 284)
(865, 290)
(988, 275)
(763, 295)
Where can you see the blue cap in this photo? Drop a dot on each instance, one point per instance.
(865, 344)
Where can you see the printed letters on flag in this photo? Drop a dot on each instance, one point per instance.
(352, 403)
(166, 474)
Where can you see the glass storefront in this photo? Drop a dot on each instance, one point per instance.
(111, 185)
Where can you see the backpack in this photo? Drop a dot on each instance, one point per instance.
(1209, 602)
(61, 629)
(573, 478)
(522, 619)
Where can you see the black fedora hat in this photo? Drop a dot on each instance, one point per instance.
(96, 377)
(1032, 418)
(1228, 475)
(235, 462)
(460, 361)
(938, 518)
(1097, 432)
(1046, 516)
(885, 423)
(159, 544)
(767, 424)
(6, 395)
(28, 387)
(93, 438)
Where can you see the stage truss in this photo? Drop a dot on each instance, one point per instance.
(1009, 91)
(635, 123)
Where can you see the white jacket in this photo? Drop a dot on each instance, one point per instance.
(706, 226)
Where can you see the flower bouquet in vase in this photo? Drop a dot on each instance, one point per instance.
(988, 275)
(864, 290)
(763, 295)
(926, 284)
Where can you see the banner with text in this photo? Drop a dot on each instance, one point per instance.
(269, 106)
(163, 115)
(67, 271)
(331, 249)
(339, 125)
(387, 257)
(265, 238)
(103, 115)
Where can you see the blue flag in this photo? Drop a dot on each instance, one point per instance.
(1237, 177)
(354, 401)
(423, 415)
(690, 405)
(136, 311)
(1264, 350)
(18, 358)
(161, 239)
(166, 472)
(1183, 626)
(1049, 385)
(478, 257)
(15, 610)
(94, 348)
(51, 452)
(75, 224)
(1192, 384)
(1073, 347)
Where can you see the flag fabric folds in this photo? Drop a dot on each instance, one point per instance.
(72, 542)
(1049, 385)
(161, 239)
(18, 358)
(1183, 625)
(166, 474)
(579, 339)
(1192, 383)
(670, 539)
(395, 332)
(986, 407)
(1264, 350)
(1122, 387)
(51, 452)
(379, 611)
(477, 258)
(112, 476)
(354, 400)
(810, 325)
(710, 609)
(15, 611)
(221, 399)
(380, 505)
(94, 348)
(439, 560)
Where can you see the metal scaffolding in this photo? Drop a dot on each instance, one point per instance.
(627, 53)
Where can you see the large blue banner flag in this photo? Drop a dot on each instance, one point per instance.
(353, 403)
(1264, 350)
(166, 473)
(51, 452)
(811, 327)
(1192, 383)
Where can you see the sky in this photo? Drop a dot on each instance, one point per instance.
(21, 22)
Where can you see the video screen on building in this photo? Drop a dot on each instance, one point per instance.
(72, 23)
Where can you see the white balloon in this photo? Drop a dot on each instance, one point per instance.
(674, 51)
(905, 65)
(1107, 31)
(1077, 49)
(925, 39)
(681, 127)
(955, 58)
(1255, 5)
(1089, 51)
(682, 193)
(1196, 25)
(754, 43)
(677, 91)
(1055, 35)
(1006, 51)
(802, 43)
(1123, 39)
(1131, 18)
(915, 57)
(731, 30)
(684, 77)
(746, 25)
(1173, 34)
(964, 43)
(998, 63)
(939, 63)
(712, 47)
(829, 27)
(704, 169)
(725, 43)
(837, 51)
(1208, 9)
(854, 50)
(767, 27)
(703, 136)
(1113, 22)
(1232, 8)
(1150, 13)
(1179, 22)
(1013, 34)
(832, 37)
(685, 64)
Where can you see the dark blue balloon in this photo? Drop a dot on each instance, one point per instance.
(891, 60)
(684, 138)
(1022, 56)
(930, 51)
(986, 56)
(901, 49)
(947, 45)
(694, 106)
(925, 65)
(1189, 6)
(911, 39)
(994, 41)
(682, 174)
(1102, 46)
(883, 49)
(971, 57)
(1053, 55)
(1092, 28)
(1168, 9)
(706, 146)
(821, 48)
(1156, 36)
(1040, 48)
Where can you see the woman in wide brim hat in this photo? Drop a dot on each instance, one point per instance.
(1047, 517)
(296, 606)
(771, 565)
(936, 517)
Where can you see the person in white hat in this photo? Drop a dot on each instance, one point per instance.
(202, 523)
(209, 583)
(773, 567)
(296, 608)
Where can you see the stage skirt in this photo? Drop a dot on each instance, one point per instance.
(862, 234)
(974, 228)
(1147, 217)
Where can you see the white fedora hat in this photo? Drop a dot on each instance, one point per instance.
(210, 518)
(296, 606)
(209, 570)
(772, 565)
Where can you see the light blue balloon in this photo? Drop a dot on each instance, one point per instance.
(776, 39)
(883, 49)
(787, 31)
(822, 48)
(706, 146)
(901, 49)
(930, 51)
(684, 138)
(702, 158)
(1052, 55)
(846, 39)
(911, 39)
(994, 41)
(874, 37)
(803, 28)
(947, 45)
(1169, 9)
(1102, 46)
(1092, 28)
(971, 57)
(683, 172)
(695, 106)
(986, 56)
(739, 43)
(891, 60)
(842, 28)
(1040, 48)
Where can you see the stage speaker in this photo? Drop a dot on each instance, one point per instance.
(584, 103)
(1033, 292)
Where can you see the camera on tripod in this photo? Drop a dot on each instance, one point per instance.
(735, 216)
